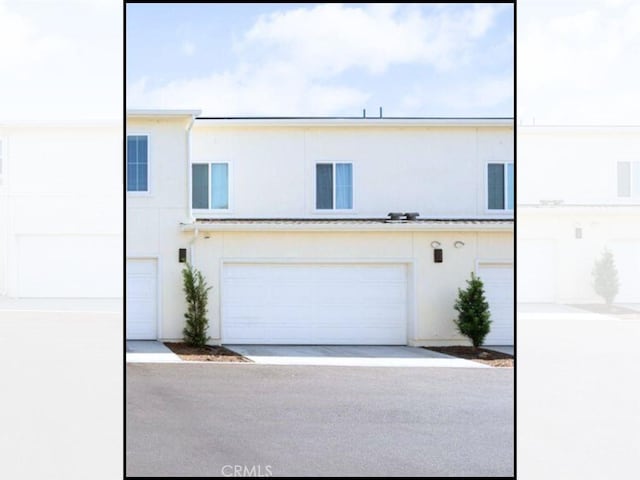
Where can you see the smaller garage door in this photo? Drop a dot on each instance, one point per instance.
(498, 286)
(142, 299)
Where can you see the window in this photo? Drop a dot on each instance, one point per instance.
(330, 192)
(210, 186)
(629, 179)
(500, 186)
(137, 163)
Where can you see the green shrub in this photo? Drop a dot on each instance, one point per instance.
(473, 312)
(196, 290)
(605, 277)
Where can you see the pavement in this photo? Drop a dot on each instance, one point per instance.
(328, 355)
(149, 351)
(199, 420)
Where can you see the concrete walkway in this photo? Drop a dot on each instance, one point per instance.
(347, 355)
(149, 351)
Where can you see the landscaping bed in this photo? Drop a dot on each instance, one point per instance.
(207, 353)
(481, 355)
(617, 310)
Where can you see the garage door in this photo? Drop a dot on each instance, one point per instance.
(83, 266)
(142, 300)
(498, 286)
(314, 304)
(626, 256)
(536, 271)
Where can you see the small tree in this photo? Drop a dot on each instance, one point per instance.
(605, 277)
(196, 290)
(473, 312)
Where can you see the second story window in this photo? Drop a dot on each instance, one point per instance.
(137, 163)
(629, 179)
(210, 186)
(334, 186)
(500, 186)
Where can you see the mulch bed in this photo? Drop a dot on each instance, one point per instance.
(618, 311)
(481, 355)
(207, 353)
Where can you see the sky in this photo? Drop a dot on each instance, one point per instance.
(63, 60)
(322, 59)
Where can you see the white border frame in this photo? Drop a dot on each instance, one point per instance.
(158, 260)
(409, 263)
(149, 191)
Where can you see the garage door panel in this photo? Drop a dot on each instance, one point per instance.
(314, 303)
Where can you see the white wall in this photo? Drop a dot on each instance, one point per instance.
(574, 164)
(436, 171)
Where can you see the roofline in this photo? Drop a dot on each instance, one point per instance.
(577, 128)
(162, 113)
(505, 225)
(357, 121)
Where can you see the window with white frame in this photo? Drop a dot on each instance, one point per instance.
(137, 163)
(500, 186)
(629, 179)
(334, 186)
(210, 186)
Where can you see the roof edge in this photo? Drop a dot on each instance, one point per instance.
(162, 113)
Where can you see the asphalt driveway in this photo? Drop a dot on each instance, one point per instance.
(216, 420)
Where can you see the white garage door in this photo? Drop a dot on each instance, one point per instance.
(327, 304)
(69, 266)
(142, 299)
(626, 256)
(498, 286)
(536, 271)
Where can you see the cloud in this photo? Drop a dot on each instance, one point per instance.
(488, 95)
(296, 61)
(277, 87)
(576, 65)
(54, 67)
(22, 43)
(331, 38)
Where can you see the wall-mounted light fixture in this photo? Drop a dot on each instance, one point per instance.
(435, 244)
(578, 232)
(458, 244)
(437, 255)
(182, 255)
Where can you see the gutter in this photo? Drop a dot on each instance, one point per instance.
(327, 227)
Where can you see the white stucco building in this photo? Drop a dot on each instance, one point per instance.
(287, 218)
(564, 226)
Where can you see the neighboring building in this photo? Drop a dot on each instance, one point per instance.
(564, 226)
(61, 217)
(287, 218)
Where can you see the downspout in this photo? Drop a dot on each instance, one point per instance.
(192, 247)
(190, 218)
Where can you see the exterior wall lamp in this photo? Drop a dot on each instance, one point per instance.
(458, 244)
